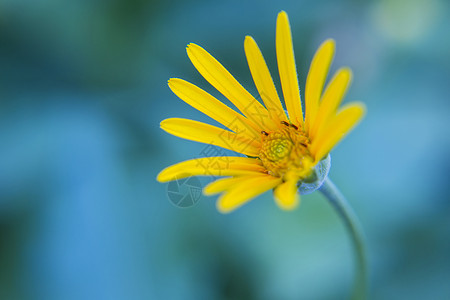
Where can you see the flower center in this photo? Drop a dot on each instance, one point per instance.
(284, 153)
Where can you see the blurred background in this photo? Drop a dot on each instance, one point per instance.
(83, 87)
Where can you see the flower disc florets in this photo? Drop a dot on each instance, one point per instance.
(284, 153)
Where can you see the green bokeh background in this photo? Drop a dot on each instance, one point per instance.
(83, 87)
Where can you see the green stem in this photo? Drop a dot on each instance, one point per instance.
(351, 221)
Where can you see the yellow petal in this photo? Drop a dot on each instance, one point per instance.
(286, 195)
(263, 80)
(225, 83)
(317, 75)
(336, 129)
(207, 104)
(212, 166)
(223, 184)
(287, 69)
(332, 97)
(208, 134)
(246, 190)
(220, 185)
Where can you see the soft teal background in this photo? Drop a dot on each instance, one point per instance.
(83, 89)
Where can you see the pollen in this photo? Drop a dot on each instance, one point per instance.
(284, 153)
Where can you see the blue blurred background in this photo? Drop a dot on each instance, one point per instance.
(83, 87)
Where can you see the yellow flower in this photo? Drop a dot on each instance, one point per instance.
(282, 150)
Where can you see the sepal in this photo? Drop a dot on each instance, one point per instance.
(316, 179)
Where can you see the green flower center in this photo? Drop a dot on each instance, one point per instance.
(284, 153)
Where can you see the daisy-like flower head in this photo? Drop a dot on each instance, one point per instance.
(282, 149)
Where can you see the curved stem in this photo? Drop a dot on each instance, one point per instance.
(354, 227)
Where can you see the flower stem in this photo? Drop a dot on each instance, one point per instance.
(354, 227)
